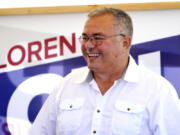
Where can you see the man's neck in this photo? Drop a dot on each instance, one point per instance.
(107, 78)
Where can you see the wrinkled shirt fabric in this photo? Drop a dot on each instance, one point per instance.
(139, 103)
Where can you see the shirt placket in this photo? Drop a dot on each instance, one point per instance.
(98, 111)
(97, 114)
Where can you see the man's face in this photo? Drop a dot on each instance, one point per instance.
(108, 55)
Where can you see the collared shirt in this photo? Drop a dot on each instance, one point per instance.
(139, 103)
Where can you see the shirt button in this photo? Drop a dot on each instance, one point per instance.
(70, 106)
(98, 111)
(94, 132)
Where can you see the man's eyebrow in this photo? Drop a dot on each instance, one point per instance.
(84, 34)
(95, 34)
(98, 34)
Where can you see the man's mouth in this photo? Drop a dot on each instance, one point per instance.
(94, 54)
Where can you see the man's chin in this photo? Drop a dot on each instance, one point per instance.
(92, 67)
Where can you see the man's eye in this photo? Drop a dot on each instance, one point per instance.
(85, 38)
(99, 38)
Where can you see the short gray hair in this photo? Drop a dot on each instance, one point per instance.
(121, 18)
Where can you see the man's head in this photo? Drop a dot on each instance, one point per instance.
(106, 39)
(122, 21)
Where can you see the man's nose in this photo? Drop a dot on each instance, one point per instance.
(90, 43)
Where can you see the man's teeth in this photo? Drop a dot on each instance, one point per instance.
(93, 55)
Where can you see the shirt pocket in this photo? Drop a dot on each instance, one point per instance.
(128, 118)
(70, 114)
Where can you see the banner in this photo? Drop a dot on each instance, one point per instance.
(162, 56)
(29, 71)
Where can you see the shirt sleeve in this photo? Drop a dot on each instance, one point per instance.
(166, 118)
(45, 122)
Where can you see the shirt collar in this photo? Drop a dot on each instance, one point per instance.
(84, 75)
(130, 74)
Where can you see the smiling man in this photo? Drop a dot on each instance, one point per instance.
(105, 46)
(113, 96)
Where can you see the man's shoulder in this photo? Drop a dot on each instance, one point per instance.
(152, 77)
(155, 84)
(77, 75)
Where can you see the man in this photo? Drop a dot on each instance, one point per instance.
(113, 96)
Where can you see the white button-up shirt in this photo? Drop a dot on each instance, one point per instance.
(140, 103)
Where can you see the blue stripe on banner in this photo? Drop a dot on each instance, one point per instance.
(170, 57)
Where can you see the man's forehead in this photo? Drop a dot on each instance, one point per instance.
(99, 18)
(99, 25)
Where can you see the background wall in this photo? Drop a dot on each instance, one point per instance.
(47, 3)
(23, 84)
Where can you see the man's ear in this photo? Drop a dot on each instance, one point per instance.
(127, 42)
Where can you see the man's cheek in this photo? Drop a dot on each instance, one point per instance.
(83, 49)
